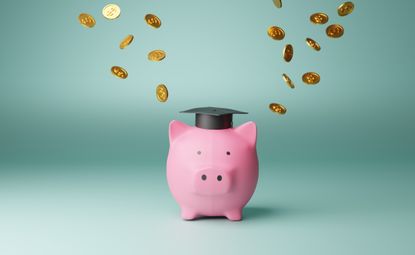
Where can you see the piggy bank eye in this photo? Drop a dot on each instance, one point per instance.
(228, 153)
(199, 152)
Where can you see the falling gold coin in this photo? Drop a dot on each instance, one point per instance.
(288, 80)
(156, 55)
(119, 72)
(162, 93)
(288, 52)
(277, 3)
(311, 78)
(345, 8)
(319, 18)
(313, 44)
(152, 20)
(277, 108)
(127, 41)
(86, 20)
(335, 31)
(276, 33)
(111, 11)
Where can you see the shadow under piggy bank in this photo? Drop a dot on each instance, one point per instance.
(252, 213)
(267, 213)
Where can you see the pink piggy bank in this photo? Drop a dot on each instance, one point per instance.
(212, 168)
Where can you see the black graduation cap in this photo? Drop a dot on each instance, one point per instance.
(213, 117)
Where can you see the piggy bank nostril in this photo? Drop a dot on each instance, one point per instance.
(204, 177)
(219, 178)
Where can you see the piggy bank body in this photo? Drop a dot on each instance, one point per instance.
(212, 172)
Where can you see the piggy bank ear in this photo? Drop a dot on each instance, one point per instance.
(176, 128)
(248, 132)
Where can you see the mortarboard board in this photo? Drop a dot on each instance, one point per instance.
(213, 117)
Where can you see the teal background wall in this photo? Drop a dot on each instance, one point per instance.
(82, 153)
(60, 103)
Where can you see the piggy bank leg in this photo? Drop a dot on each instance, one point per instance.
(188, 214)
(234, 215)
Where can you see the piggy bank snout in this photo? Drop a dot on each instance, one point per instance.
(212, 182)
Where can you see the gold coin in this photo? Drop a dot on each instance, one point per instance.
(335, 31)
(152, 20)
(127, 41)
(86, 20)
(311, 78)
(277, 3)
(277, 108)
(288, 52)
(119, 72)
(162, 93)
(276, 33)
(111, 11)
(313, 44)
(319, 18)
(288, 80)
(156, 55)
(345, 8)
